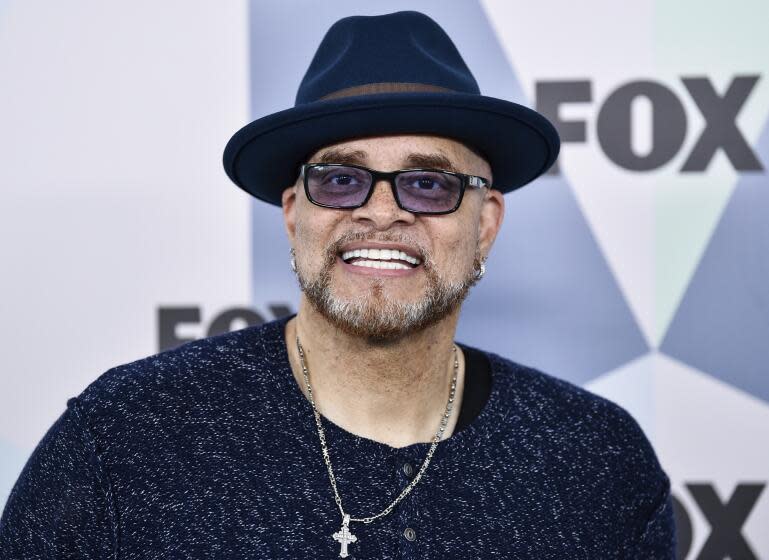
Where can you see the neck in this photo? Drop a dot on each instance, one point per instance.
(393, 392)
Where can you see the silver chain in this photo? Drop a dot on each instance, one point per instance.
(324, 447)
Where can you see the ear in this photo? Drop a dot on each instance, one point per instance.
(492, 213)
(288, 202)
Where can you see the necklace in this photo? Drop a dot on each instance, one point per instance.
(344, 537)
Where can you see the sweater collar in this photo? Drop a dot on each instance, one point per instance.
(491, 418)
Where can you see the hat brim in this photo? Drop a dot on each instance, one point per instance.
(263, 157)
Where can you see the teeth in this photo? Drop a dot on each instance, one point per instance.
(380, 255)
(391, 265)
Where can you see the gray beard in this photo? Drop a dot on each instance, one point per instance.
(379, 319)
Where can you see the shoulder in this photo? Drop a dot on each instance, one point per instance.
(560, 406)
(576, 433)
(176, 380)
(585, 446)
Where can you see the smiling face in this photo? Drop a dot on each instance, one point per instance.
(381, 272)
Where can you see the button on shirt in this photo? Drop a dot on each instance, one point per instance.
(210, 450)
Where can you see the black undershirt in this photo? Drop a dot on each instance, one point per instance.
(477, 386)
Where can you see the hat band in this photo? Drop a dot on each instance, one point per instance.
(384, 87)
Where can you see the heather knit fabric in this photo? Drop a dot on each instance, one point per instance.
(210, 451)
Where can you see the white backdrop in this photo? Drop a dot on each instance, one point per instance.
(120, 235)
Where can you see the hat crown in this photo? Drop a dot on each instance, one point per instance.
(388, 50)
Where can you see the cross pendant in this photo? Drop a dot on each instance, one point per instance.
(344, 536)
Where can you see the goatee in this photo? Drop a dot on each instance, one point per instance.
(372, 315)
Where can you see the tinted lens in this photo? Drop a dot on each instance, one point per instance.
(336, 185)
(428, 191)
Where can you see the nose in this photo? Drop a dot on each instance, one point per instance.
(382, 210)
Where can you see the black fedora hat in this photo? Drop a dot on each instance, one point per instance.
(392, 74)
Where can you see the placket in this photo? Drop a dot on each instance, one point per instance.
(409, 528)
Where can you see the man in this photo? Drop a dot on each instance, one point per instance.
(357, 428)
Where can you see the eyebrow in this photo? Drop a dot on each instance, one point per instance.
(431, 161)
(359, 157)
(348, 157)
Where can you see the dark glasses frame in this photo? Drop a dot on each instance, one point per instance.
(466, 181)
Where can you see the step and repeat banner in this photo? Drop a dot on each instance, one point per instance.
(638, 267)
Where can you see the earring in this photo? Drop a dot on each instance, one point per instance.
(481, 270)
(293, 259)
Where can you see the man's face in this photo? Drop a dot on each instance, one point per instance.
(334, 247)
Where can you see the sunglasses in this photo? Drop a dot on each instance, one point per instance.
(419, 191)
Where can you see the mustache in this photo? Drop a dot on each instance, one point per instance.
(334, 248)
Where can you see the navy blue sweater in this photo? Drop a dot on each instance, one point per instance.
(210, 451)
